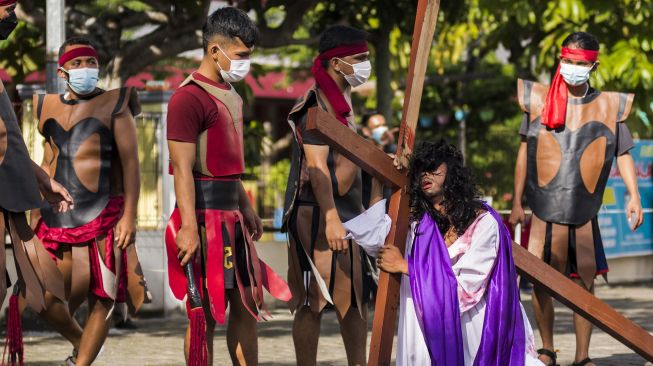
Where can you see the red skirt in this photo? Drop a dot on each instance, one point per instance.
(217, 208)
(106, 274)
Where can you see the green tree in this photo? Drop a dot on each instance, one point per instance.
(478, 56)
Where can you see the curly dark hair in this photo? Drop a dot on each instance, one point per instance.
(461, 195)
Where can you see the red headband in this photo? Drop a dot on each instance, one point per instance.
(578, 54)
(326, 83)
(7, 2)
(77, 52)
(554, 110)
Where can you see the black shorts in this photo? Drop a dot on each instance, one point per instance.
(232, 248)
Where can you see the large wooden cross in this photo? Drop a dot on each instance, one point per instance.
(363, 153)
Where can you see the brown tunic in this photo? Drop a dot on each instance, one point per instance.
(85, 158)
(18, 193)
(18, 188)
(86, 161)
(344, 275)
(567, 170)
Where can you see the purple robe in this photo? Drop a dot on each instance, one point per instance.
(434, 289)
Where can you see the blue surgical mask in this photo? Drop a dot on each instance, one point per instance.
(377, 134)
(82, 81)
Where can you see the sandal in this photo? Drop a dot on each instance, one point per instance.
(582, 363)
(552, 355)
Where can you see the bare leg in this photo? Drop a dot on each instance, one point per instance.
(59, 318)
(210, 329)
(544, 316)
(242, 338)
(95, 331)
(306, 334)
(56, 312)
(353, 329)
(583, 330)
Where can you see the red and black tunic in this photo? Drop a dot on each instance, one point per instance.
(210, 115)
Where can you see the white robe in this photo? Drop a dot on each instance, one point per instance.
(472, 257)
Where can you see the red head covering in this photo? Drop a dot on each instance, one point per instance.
(328, 85)
(87, 51)
(555, 106)
(7, 2)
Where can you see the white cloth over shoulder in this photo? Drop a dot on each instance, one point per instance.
(472, 257)
(370, 228)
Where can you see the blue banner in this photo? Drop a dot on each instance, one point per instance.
(618, 239)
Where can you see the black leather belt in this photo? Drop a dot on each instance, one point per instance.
(217, 194)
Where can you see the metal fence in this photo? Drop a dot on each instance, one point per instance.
(149, 129)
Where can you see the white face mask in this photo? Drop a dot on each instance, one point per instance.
(575, 74)
(82, 81)
(238, 69)
(362, 72)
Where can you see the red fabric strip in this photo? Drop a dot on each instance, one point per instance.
(344, 51)
(213, 220)
(252, 260)
(77, 52)
(554, 110)
(275, 285)
(176, 275)
(7, 2)
(231, 227)
(328, 85)
(100, 226)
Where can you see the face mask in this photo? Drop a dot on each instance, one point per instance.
(362, 72)
(82, 81)
(575, 74)
(378, 133)
(238, 69)
(7, 25)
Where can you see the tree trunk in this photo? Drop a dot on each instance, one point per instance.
(383, 72)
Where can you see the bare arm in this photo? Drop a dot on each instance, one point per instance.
(391, 260)
(182, 157)
(252, 221)
(51, 190)
(125, 137)
(376, 193)
(517, 214)
(318, 171)
(634, 206)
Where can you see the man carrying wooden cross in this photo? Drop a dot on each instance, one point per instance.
(324, 190)
(459, 299)
(570, 135)
(371, 159)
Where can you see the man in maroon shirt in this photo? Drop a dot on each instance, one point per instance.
(214, 224)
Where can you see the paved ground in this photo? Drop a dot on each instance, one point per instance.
(159, 341)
